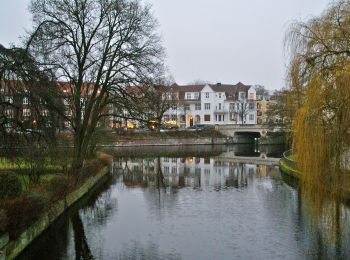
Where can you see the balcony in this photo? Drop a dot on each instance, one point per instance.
(221, 111)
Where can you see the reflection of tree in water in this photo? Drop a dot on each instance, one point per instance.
(238, 177)
(149, 251)
(82, 250)
(312, 236)
(100, 208)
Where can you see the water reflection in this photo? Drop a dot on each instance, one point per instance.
(171, 172)
(194, 205)
(82, 250)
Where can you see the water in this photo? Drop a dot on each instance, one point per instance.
(185, 203)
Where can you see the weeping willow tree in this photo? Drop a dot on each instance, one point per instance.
(319, 97)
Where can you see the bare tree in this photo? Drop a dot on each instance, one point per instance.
(242, 110)
(98, 47)
(149, 103)
(26, 88)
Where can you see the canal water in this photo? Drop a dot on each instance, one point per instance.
(207, 202)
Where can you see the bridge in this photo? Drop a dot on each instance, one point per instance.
(252, 130)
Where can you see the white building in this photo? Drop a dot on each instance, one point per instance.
(213, 104)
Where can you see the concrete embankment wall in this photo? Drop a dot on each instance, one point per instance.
(11, 249)
(170, 141)
(180, 141)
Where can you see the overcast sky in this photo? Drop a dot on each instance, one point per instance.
(214, 40)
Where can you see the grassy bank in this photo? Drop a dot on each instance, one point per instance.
(23, 200)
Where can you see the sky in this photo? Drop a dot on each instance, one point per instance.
(225, 41)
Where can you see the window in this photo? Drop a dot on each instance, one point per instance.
(188, 96)
(251, 106)
(44, 112)
(251, 117)
(174, 107)
(9, 113)
(173, 117)
(166, 169)
(174, 160)
(219, 106)
(25, 101)
(187, 107)
(198, 106)
(219, 95)
(206, 118)
(198, 119)
(206, 172)
(207, 106)
(9, 99)
(166, 159)
(232, 106)
(68, 112)
(173, 170)
(207, 95)
(242, 95)
(182, 118)
(26, 112)
(196, 95)
(166, 117)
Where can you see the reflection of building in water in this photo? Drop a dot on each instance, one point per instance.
(190, 171)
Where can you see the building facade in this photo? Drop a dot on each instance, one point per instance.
(213, 104)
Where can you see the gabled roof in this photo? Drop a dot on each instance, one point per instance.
(187, 88)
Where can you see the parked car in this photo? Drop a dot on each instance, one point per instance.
(201, 127)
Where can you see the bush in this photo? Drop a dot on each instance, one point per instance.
(10, 185)
(23, 211)
(58, 187)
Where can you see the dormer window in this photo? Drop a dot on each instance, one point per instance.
(207, 95)
(242, 95)
(188, 96)
(196, 95)
(219, 95)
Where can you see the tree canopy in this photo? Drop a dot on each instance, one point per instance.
(319, 78)
(99, 47)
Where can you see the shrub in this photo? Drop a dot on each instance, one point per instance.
(58, 187)
(10, 185)
(23, 211)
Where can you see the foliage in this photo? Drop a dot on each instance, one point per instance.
(22, 211)
(10, 185)
(320, 95)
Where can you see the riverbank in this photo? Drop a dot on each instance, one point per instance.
(288, 166)
(9, 249)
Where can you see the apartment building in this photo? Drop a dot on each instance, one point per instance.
(213, 104)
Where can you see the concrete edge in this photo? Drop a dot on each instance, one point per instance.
(14, 248)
